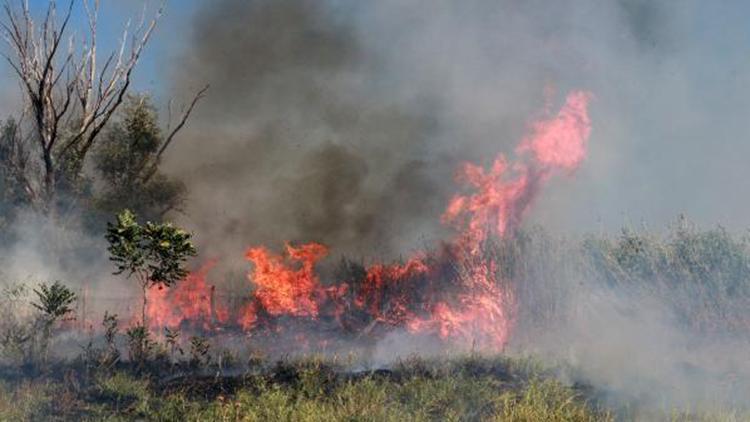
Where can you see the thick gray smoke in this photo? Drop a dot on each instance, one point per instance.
(342, 122)
(304, 136)
(631, 347)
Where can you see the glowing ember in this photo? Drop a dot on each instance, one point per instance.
(456, 293)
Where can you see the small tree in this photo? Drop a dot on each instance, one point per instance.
(111, 354)
(199, 351)
(54, 302)
(154, 253)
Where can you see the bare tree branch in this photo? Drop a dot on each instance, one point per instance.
(183, 120)
(67, 92)
(171, 135)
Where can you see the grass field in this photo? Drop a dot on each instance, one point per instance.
(471, 388)
(616, 360)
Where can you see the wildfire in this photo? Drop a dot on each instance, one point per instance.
(282, 289)
(192, 301)
(456, 293)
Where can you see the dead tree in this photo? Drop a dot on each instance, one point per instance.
(70, 93)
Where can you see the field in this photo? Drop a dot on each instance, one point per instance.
(664, 342)
(315, 389)
(311, 389)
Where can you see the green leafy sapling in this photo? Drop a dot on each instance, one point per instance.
(155, 254)
(55, 303)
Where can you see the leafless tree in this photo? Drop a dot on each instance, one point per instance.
(70, 93)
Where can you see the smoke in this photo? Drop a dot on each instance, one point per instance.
(631, 347)
(39, 250)
(316, 129)
(395, 94)
(342, 123)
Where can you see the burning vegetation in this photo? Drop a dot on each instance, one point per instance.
(455, 291)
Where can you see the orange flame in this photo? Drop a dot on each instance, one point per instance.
(282, 289)
(560, 142)
(192, 302)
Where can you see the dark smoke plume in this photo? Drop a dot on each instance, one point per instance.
(296, 140)
(342, 122)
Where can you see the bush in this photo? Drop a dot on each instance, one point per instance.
(141, 347)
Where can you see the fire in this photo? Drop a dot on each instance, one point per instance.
(283, 289)
(456, 293)
(500, 200)
(497, 202)
(192, 302)
(381, 279)
(560, 142)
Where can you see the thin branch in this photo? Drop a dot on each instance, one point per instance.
(170, 137)
(185, 116)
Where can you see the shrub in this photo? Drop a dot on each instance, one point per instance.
(140, 345)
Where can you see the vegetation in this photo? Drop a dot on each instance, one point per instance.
(127, 163)
(104, 358)
(81, 146)
(27, 327)
(702, 275)
(312, 389)
(71, 96)
(154, 253)
(53, 302)
(315, 389)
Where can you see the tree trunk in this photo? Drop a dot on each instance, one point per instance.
(144, 286)
(49, 180)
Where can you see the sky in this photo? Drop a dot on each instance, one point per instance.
(671, 86)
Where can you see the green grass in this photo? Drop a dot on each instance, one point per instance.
(311, 390)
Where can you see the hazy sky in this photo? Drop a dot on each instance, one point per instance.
(671, 81)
